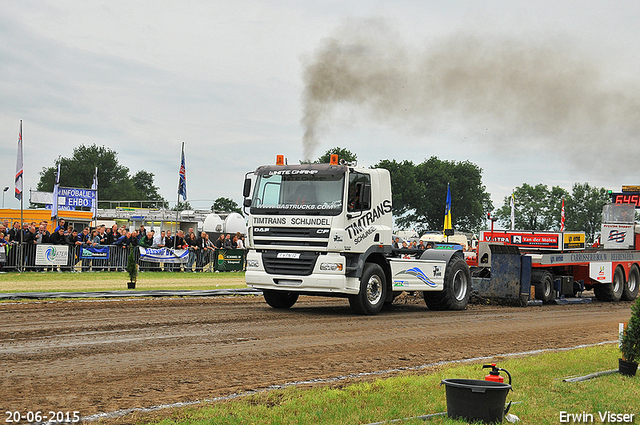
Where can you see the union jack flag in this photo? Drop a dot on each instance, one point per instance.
(182, 185)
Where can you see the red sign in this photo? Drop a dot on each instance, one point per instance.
(626, 198)
(523, 240)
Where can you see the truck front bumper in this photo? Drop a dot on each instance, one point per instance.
(319, 281)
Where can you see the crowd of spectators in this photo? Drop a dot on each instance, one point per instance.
(199, 245)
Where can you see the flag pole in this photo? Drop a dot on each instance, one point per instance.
(19, 194)
(182, 190)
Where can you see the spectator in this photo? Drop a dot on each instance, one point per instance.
(227, 242)
(169, 242)
(239, 241)
(194, 245)
(159, 240)
(61, 224)
(208, 248)
(146, 241)
(108, 236)
(83, 240)
(14, 233)
(141, 232)
(220, 241)
(58, 237)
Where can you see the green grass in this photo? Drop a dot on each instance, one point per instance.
(113, 281)
(537, 383)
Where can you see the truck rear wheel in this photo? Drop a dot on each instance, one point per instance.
(542, 281)
(280, 299)
(457, 288)
(630, 291)
(373, 291)
(611, 291)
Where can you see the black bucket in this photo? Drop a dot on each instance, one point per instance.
(475, 400)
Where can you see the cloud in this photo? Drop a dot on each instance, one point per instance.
(538, 95)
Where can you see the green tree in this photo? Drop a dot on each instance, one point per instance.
(539, 208)
(114, 181)
(225, 205)
(145, 189)
(343, 154)
(583, 210)
(420, 192)
(535, 208)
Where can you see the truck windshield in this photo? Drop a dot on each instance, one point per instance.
(313, 194)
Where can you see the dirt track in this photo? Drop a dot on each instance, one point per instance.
(102, 356)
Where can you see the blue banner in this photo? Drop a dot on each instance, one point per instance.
(97, 251)
(71, 197)
(164, 255)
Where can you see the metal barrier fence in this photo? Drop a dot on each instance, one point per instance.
(33, 257)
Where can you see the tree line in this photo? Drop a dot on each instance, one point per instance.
(115, 182)
(419, 197)
(419, 193)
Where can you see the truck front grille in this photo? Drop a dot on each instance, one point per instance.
(301, 266)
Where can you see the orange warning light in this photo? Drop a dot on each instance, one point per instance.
(334, 159)
(279, 159)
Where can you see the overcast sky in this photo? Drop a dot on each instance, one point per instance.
(532, 92)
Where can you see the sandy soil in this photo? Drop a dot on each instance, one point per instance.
(98, 356)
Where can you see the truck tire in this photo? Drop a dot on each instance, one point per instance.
(542, 281)
(611, 291)
(457, 288)
(373, 291)
(630, 291)
(280, 299)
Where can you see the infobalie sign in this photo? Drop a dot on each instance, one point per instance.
(70, 197)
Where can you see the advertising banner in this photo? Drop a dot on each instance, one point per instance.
(97, 251)
(229, 259)
(164, 255)
(523, 239)
(617, 236)
(52, 255)
(601, 272)
(3, 255)
(574, 240)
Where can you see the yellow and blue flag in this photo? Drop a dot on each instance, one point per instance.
(447, 211)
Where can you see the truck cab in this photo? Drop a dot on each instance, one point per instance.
(326, 229)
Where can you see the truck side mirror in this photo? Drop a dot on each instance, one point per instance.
(246, 190)
(247, 202)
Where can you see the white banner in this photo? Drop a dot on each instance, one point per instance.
(164, 255)
(52, 255)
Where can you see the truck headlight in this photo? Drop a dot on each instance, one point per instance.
(253, 263)
(331, 267)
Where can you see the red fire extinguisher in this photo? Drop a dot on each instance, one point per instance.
(494, 374)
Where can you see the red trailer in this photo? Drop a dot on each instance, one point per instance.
(562, 265)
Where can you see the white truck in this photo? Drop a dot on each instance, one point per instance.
(326, 229)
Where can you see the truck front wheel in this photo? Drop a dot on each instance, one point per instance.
(373, 291)
(457, 288)
(280, 299)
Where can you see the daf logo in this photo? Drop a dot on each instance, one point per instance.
(261, 229)
(322, 231)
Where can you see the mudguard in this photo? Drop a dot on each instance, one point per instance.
(440, 254)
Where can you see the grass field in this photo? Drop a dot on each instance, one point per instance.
(113, 281)
(539, 395)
